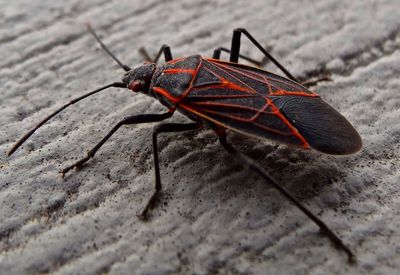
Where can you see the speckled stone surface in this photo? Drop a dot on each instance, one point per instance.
(215, 218)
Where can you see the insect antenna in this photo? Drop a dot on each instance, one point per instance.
(73, 101)
(123, 66)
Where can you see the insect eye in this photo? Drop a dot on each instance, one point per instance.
(135, 86)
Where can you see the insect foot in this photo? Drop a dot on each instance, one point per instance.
(150, 205)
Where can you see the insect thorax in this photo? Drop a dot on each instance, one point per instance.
(171, 80)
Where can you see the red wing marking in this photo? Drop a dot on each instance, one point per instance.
(224, 105)
(271, 83)
(268, 85)
(232, 101)
(221, 96)
(224, 84)
(235, 115)
(237, 97)
(232, 85)
(200, 113)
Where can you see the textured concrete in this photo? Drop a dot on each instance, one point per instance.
(216, 218)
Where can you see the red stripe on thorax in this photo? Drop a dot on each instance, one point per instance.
(179, 71)
(227, 83)
(166, 94)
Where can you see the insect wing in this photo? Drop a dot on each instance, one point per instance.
(258, 103)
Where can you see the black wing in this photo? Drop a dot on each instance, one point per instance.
(258, 103)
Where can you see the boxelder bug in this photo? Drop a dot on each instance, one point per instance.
(227, 95)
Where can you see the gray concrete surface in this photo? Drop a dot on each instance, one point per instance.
(215, 217)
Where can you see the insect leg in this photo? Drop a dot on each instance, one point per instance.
(316, 80)
(217, 55)
(123, 66)
(145, 118)
(165, 49)
(235, 49)
(163, 128)
(248, 162)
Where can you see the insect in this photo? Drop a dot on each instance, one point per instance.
(224, 96)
